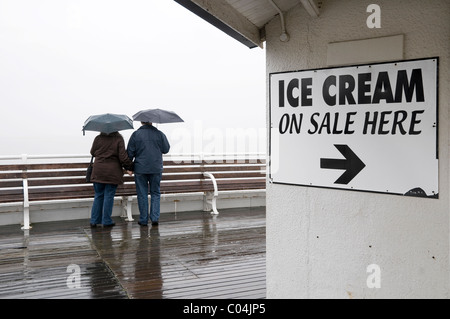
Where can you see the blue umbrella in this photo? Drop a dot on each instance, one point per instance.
(157, 116)
(107, 123)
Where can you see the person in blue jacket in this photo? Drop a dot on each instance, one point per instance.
(145, 148)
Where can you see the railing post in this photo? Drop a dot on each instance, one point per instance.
(129, 212)
(26, 202)
(126, 203)
(214, 195)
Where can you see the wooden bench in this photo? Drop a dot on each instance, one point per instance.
(29, 183)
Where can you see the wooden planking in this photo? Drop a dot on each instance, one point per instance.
(190, 255)
(97, 282)
(34, 266)
(205, 257)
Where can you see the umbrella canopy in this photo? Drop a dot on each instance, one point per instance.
(157, 116)
(107, 123)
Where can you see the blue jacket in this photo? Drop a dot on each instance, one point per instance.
(145, 148)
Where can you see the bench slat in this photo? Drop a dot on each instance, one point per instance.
(5, 184)
(28, 167)
(212, 169)
(42, 166)
(214, 162)
(11, 195)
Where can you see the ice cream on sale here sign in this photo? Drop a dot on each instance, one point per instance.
(365, 127)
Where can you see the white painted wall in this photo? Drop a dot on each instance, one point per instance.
(321, 241)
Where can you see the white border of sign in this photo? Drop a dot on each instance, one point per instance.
(370, 127)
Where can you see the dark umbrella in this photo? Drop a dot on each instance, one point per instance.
(157, 116)
(107, 123)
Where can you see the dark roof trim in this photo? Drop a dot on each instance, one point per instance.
(205, 15)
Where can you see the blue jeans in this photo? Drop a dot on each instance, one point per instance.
(145, 184)
(103, 203)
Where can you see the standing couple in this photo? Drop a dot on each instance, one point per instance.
(143, 156)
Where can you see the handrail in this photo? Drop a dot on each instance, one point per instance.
(183, 156)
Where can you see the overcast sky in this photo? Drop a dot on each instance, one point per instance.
(64, 60)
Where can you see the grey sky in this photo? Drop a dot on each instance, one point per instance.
(64, 60)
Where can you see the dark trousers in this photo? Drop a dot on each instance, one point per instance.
(145, 184)
(103, 203)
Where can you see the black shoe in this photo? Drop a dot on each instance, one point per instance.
(110, 225)
(155, 223)
(142, 224)
(93, 225)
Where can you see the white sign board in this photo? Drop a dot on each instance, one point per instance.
(366, 127)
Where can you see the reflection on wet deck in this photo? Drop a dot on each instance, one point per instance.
(190, 255)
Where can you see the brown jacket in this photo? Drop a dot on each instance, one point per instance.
(110, 159)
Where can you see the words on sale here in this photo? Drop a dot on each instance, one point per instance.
(354, 90)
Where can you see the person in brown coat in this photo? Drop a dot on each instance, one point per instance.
(111, 159)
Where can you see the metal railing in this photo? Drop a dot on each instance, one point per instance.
(71, 158)
(196, 157)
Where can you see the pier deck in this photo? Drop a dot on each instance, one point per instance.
(190, 255)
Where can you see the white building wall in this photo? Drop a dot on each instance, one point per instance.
(321, 241)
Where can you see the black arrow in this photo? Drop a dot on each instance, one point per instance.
(352, 164)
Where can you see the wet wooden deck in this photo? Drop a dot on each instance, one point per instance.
(190, 255)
